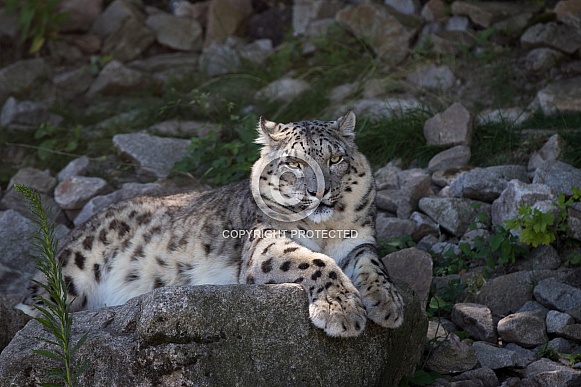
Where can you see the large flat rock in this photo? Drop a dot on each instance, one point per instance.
(247, 335)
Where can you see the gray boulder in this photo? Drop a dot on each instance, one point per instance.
(455, 157)
(386, 35)
(453, 126)
(516, 194)
(74, 192)
(550, 151)
(484, 375)
(77, 167)
(556, 295)
(222, 335)
(115, 79)
(545, 372)
(486, 184)
(433, 77)
(16, 252)
(563, 345)
(563, 96)
(283, 90)
(389, 227)
(494, 357)
(420, 279)
(452, 356)
(73, 82)
(557, 320)
(122, 28)
(508, 293)
(176, 32)
(11, 320)
(138, 148)
(26, 115)
(543, 257)
(475, 319)
(561, 177)
(523, 328)
(453, 214)
(220, 59)
(21, 76)
(554, 35)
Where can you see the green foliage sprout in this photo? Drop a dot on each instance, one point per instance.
(38, 20)
(543, 228)
(55, 310)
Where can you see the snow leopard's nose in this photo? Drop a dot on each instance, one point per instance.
(317, 193)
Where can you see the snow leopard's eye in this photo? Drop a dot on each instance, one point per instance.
(293, 164)
(335, 160)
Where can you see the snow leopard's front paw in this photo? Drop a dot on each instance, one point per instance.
(337, 309)
(383, 303)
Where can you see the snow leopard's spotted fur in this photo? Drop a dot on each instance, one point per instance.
(141, 244)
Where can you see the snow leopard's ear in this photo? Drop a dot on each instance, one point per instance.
(268, 132)
(346, 125)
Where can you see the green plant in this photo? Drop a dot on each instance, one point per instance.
(395, 244)
(573, 358)
(57, 140)
(536, 227)
(38, 20)
(449, 262)
(399, 136)
(500, 248)
(225, 157)
(96, 63)
(573, 259)
(544, 228)
(442, 302)
(567, 126)
(55, 309)
(496, 143)
(548, 352)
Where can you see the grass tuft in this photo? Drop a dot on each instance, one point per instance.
(396, 137)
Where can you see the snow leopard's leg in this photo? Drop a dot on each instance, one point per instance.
(383, 303)
(334, 303)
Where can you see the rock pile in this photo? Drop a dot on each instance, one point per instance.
(142, 47)
(512, 317)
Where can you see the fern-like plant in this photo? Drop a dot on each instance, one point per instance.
(55, 310)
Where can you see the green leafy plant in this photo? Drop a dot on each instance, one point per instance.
(536, 227)
(548, 352)
(38, 20)
(394, 244)
(442, 302)
(57, 140)
(544, 228)
(449, 262)
(223, 158)
(55, 309)
(573, 358)
(499, 248)
(573, 259)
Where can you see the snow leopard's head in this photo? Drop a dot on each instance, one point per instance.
(303, 167)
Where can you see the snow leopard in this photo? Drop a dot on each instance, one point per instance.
(306, 216)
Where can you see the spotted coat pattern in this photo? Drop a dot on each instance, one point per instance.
(195, 238)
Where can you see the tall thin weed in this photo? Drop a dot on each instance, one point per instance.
(55, 314)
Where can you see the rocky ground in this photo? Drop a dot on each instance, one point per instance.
(496, 317)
